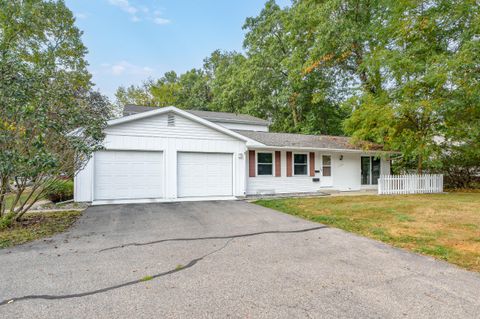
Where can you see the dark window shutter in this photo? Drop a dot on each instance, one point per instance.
(312, 164)
(278, 164)
(289, 164)
(251, 163)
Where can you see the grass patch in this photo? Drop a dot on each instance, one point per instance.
(11, 197)
(146, 278)
(179, 267)
(445, 226)
(35, 226)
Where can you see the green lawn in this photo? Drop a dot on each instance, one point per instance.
(37, 225)
(445, 226)
(11, 197)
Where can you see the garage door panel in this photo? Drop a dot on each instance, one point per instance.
(204, 174)
(128, 175)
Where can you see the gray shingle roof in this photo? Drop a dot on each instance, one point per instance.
(302, 140)
(207, 115)
(131, 109)
(229, 117)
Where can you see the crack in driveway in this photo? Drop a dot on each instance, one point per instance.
(304, 230)
(190, 264)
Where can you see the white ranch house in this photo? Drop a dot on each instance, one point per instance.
(168, 154)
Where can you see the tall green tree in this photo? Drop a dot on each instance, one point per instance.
(342, 35)
(136, 94)
(45, 93)
(190, 90)
(166, 90)
(228, 77)
(404, 72)
(418, 59)
(195, 91)
(277, 49)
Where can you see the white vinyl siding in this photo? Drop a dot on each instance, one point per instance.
(157, 125)
(153, 134)
(345, 176)
(204, 174)
(269, 184)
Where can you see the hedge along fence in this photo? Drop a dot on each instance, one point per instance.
(410, 184)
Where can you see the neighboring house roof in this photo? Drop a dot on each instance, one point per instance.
(291, 140)
(131, 109)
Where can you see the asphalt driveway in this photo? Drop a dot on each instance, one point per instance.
(223, 259)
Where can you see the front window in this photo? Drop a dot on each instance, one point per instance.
(370, 170)
(300, 163)
(265, 164)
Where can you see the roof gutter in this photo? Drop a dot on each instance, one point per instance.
(337, 150)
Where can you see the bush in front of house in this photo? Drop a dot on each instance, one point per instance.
(60, 191)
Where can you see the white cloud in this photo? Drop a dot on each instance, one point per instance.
(118, 69)
(126, 68)
(140, 12)
(81, 15)
(159, 20)
(124, 5)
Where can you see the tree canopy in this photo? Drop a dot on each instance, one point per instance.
(45, 93)
(401, 73)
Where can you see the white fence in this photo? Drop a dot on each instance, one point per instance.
(410, 184)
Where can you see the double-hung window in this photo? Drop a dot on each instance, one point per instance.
(265, 163)
(300, 164)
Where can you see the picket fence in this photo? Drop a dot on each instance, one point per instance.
(410, 184)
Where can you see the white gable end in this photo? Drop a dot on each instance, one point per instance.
(170, 125)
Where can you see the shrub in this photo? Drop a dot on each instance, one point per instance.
(60, 191)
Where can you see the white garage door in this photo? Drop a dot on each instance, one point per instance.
(204, 174)
(128, 175)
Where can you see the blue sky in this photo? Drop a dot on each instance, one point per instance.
(132, 40)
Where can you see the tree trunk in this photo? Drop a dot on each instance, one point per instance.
(292, 102)
(420, 165)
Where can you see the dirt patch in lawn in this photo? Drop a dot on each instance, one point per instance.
(37, 225)
(445, 226)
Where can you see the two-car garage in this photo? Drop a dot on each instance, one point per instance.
(140, 175)
(163, 155)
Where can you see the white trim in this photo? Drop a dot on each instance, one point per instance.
(273, 163)
(308, 163)
(173, 109)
